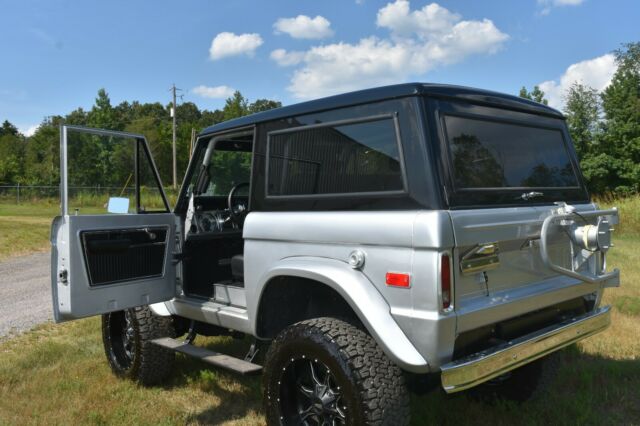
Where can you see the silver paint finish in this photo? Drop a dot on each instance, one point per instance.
(76, 298)
(317, 245)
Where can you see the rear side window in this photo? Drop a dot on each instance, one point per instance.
(337, 158)
(492, 154)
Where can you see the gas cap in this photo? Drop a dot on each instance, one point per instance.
(356, 259)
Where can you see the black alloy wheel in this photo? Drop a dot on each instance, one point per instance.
(127, 337)
(326, 371)
(311, 394)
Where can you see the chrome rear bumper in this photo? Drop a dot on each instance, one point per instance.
(482, 366)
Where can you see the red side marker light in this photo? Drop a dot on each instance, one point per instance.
(445, 281)
(396, 279)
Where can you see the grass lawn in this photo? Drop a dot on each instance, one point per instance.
(25, 228)
(57, 374)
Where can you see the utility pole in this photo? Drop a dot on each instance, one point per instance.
(173, 115)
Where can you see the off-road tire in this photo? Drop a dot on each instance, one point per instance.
(147, 363)
(372, 387)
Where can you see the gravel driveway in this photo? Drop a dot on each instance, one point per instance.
(25, 295)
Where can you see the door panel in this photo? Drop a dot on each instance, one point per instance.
(108, 262)
(111, 277)
(124, 254)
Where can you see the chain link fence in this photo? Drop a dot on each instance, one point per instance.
(28, 194)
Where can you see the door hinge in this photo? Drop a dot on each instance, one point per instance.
(177, 257)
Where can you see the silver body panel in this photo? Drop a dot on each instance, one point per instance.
(407, 323)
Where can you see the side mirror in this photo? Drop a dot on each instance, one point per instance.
(118, 205)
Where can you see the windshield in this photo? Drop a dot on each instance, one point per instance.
(491, 154)
(227, 169)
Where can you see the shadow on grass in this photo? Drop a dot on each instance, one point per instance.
(575, 388)
(238, 395)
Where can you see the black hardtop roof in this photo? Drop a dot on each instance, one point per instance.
(467, 94)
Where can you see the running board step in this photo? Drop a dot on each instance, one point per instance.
(210, 357)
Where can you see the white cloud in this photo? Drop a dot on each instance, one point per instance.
(286, 59)
(303, 26)
(419, 41)
(595, 73)
(431, 20)
(229, 44)
(28, 130)
(547, 5)
(216, 92)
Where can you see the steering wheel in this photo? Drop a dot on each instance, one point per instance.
(237, 212)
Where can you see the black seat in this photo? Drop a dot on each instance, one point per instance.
(237, 267)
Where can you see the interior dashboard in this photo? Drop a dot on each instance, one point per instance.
(210, 215)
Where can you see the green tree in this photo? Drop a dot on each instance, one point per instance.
(8, 129)
(621, 126)
(42, 154)
(235, 106)
(582, 109)
(263, 105)
(11, 154)
(536, 95)
(103, 115)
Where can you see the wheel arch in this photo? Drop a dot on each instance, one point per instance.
(351, 294)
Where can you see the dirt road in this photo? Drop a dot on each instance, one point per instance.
(25, 295)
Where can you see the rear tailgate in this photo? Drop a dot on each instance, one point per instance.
(504, 171)
(511, 278)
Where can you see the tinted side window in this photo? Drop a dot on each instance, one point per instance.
(335, 159)
(489, 154)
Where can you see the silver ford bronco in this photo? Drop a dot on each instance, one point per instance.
(361, 241)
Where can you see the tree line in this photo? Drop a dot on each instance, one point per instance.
(34, 160)
(605, 128)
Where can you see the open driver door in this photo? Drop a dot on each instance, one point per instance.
(112, 245)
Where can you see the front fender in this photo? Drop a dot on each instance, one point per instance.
(363, 297)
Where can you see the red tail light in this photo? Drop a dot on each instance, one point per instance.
(445, 281)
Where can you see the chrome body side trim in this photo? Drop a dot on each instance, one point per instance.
(482, 366)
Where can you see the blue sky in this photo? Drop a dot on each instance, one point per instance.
(57, 54)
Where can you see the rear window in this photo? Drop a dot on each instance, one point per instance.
(491, 154)
(330, 158)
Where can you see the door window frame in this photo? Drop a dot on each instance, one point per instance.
(140, 142)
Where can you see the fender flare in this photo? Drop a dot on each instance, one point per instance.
(361, 295)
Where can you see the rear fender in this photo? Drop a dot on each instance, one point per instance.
(362, 296)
